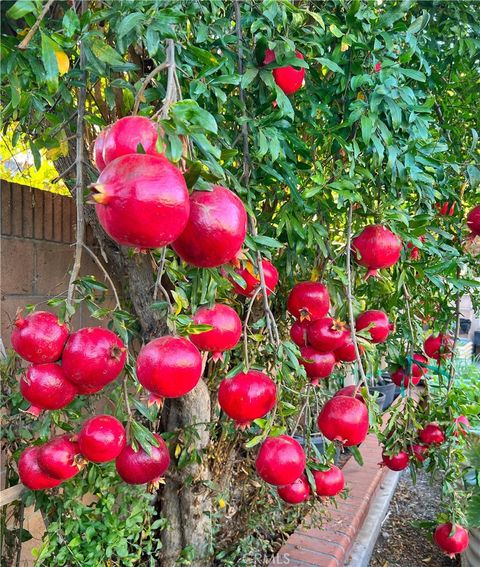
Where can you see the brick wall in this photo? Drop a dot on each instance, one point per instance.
(37, 232)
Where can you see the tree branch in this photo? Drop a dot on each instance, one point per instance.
(145, 84)
(26, 40)
(105, 273)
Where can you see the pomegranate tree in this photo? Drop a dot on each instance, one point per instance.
(30, 472)
(280, 460)
(330, 482)
(225, 332)
(252, 279)
(376, 247)
(247, 396)
(376, 324)
(169, 367)
(46, 387)
(327, 334)
(39, 337)
(101, 438)
(295, 493)
(317, 364)
(289, 79)
(142, 201)
(344, 419)
(93, 357)
(451, 539)
(216, 228)
(140, 467)
(308, 300)
(60, 457)
(129, 135)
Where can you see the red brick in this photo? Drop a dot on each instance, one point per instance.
(16, 210)
(339, 538)
(38, 211)
(53, 262)
(317, 545)
(311, 557)
(67, 219)
(6, 211)
(57, 218)
(27, 195)
(48, 216)
(17, 266)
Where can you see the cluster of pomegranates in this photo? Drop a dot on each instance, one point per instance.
(101, 439)
(324, 341)
(64, 365)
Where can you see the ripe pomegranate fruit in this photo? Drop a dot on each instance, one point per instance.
(330, 482)
(252, 278)
(451, 543)
(58, 457)
(30, 473)
(417, 370)
(289, 79)
(349, 391)
(431, 434)
(298, 333)
(225, 333)
(396, 462)
(39, 337)
(280, 460)
(169, 367)
(346, 353)
(138, 467)
(126, 135)
(101, 438)
(401, 378)
(376, 247)
(462, 425)
(46, 387)
(247, 396)
(344, 419)
(93, 357)
(295, 493)
(473, 220)
(327, 334)
(419, 452)
(215, 230)
(317, 364)
(377, 325)
(414, 250)
(142, 201)
(98, 150)
(308, 300)
(438, 347)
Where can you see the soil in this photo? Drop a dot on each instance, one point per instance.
(400, 544)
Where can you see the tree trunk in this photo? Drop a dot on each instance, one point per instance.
(185, 499)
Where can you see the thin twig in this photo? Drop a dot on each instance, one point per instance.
(105, 273)
(26, 40)
(80, 228)
(455, 339)
(245, 327)
(126, 399)
(350, 299)
(145, 84)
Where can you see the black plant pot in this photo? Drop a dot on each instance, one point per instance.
(319, 443)
(388, 389)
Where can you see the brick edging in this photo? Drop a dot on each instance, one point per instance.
(329, 545)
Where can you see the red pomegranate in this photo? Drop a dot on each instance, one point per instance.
(401, 378)
(298, 332)
(225, 333)
(252, 278)
(327, 334)
(349, 391)
(346, 353)
(330, 482)
(438, 347)
(138, 467)
(344, 419)
(295, 493)
(417, 370)
(101, 438)
(396, 462)
(126, 135)
(414, 250)
(39, 337)
(247, 396)
(289, 79)
(215, 230)
(473, 220)
(451, 540)
(59, 457)
(280, 460)
(431, 434)
(169, 367)
(46, 387)
(30, 473)
(376, 323)
(376, 247)
(317, 364)
(462, 425)
(142, 201)
(93, 357)
(419, 452)
(98, 150)
(308, 300)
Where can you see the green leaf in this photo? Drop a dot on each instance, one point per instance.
(267, 241)
(366, 123)
(71, 23)
(129, 23)
(248, 76)
(473, 176)
(318, 18)
(335, 31)
(254, 441)
(419, 23)
(413, 74)
(331, 65)
(20, 9)
(49, 60)
(144, 437)
(189, 114)
(356, 455)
